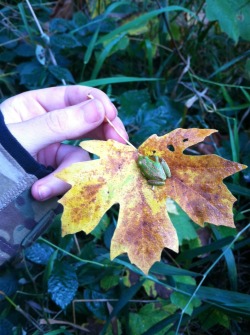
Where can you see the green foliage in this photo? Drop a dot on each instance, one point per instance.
(181, 300)
(186, 229)
(5, 327)
(149, 315)
(233, 16)
(62, 283)
(163, 68)
(8, 283)
(39, 253)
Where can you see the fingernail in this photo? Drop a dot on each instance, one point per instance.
(95, 113)
(44, 192)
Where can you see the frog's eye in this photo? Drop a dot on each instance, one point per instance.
(139, 161)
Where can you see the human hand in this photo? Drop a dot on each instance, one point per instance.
(41, 119)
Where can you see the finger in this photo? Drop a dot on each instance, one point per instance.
(50, 186)
(106, 131)
(59, 125)
(27, 105)
(65, 96)
(117, 133)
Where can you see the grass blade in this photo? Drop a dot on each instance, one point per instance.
(238, 190)
(230, 261)
(115, 80)
(90, 48)
(104, 54)
(140, 21)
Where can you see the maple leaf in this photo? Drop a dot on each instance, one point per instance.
(144, 227)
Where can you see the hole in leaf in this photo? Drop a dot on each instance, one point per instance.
(185, 140)
(171, 147)
(154, 151)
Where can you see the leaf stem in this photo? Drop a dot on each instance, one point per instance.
(90, 96)
(120, 133)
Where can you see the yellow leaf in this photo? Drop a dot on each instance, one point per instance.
(144, 227)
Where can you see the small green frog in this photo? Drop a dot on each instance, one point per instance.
(154, 169)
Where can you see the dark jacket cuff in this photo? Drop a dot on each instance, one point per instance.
(17, 151)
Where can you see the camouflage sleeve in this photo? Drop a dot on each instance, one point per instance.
(22, 218)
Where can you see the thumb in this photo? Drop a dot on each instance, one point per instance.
(59, 125)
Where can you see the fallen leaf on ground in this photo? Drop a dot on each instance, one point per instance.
(144, 227)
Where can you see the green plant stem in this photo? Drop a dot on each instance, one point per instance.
(21, 311)
(9, 300)
(69, 254)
